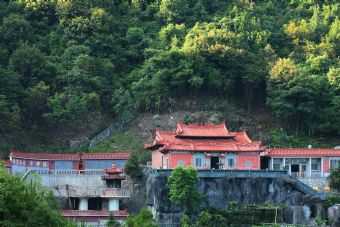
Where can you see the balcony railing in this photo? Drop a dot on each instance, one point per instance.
(95, 213)
(68, 172)
(115, 192)
(108, 192)
(307, 175)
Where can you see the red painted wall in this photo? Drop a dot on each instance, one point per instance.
(254, 159)
(326, 166)
(51, 165)
(175, 158)
(156, 159)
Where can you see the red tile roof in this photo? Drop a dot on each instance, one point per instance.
(89, 156)
(44, 156)
(93, 213)
(235, 141)
(207, 130)
(303, 152)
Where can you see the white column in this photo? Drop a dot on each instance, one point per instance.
(310, 168)
(83, 204)
(271, 163)
(321, 167)
(113, 204)
(284, 163)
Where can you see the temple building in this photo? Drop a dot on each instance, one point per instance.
(205, 147)
(21, 162)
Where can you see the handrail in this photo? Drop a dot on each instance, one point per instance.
(118, 125)
(307, 189)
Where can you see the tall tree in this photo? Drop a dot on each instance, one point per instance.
(183, 188)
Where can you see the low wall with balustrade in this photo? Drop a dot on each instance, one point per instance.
(76, 183)
(72, 178)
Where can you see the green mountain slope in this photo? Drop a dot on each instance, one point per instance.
(68, 68)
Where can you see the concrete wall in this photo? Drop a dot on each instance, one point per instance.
(103, 164)
(21, 170)
(81, 181)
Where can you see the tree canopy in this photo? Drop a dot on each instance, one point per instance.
(27, 204)
(183, 183)
(65, 63)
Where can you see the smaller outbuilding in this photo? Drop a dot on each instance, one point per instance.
(304, 162)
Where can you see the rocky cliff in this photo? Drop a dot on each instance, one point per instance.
(300, 205)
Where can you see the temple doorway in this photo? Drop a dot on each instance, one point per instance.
(214, 162)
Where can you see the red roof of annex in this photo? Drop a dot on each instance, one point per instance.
(303, 152)
(44, 156)
(208, 137)
(90, 156)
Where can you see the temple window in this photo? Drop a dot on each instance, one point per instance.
(277, 163)
(335, 164)
(231, 163)
(198, 162)
(44, 163)
(315, 164)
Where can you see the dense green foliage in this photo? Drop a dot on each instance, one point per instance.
(334, 179)
(249, 216)
(183, 184)
(143, 219)
(332, 200)
(132, 166)
(27, 204)
(111, 222)
(66, 62)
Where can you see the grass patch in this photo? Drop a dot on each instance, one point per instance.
(123, 141)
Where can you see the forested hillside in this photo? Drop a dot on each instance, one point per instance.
(65, 65)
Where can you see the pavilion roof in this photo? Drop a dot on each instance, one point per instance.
(206, 130)
(204, 138)
(303, 152)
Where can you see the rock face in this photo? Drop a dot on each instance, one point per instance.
(334, 215)
(299, 206)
